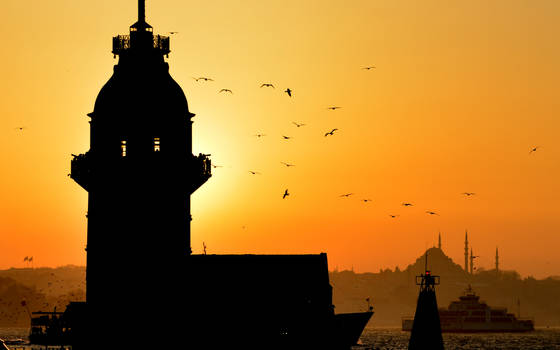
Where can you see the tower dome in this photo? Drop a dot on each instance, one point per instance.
(134, 94)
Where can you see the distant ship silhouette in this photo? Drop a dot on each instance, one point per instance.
(140, 173)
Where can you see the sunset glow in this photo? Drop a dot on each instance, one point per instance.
(460, 94)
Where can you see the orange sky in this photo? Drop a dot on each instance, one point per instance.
(461, 92)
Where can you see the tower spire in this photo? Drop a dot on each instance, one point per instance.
(439, 240)
(141, 11)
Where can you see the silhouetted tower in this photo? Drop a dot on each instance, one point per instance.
(439, 240)
(466, 252)
(426, 327)
(497, 263)
(139, 173)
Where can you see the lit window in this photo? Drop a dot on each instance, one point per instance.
(123, 148)
(156, 144)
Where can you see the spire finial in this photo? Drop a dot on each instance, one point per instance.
(141, 11)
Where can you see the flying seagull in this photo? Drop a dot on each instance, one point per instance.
(366, 200)
(286, 137)
(203, 78)
(173, 33)
(267, 85)
(260, 135)
(298, 124)
(407, 204)
(346, 195)
(369, 67)
(468, 194)
(226, 90)
(393, 216)
(431, 212)
(217, 166)
(254, 172)
(289, 92)
(288, 164)
(333, 108)
(330, 132)
(20, 128)
(534, 149)
(286, 194)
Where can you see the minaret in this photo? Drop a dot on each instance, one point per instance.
(139, 174)
(466, 252)
(439, 240)
(472, 262)
(497, 263)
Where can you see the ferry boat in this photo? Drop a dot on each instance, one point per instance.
(471, 315)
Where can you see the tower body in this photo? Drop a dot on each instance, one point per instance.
(139, 173)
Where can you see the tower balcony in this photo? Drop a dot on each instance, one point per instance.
(80, 170)
(193, 172)
(202, 166)
(123, 43)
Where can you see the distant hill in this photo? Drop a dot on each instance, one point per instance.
(39, 289)
(394, 293)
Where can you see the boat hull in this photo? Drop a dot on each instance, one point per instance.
(349, 327)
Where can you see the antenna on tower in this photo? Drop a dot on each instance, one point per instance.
(141, 11)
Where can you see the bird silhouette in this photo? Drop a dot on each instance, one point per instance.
(431, 212)
(260, 135)
(330, 132)
(203, 78)
(534, 149)
(366, 200)
(468, 194)
(226, 90)
(289, 92)
(267, 85)
(346, 195)
(254, 172)
(286, 137)
(286, 194)
(369, 67)
(298, 124)
(173, 33)
(217, 166)
(333, 108)
(393, 216)
(407, 204)
(288, 164)
(20, 128)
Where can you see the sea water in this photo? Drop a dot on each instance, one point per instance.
(395, 339)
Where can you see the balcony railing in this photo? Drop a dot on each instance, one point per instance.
(122, 43)
(204, 164)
